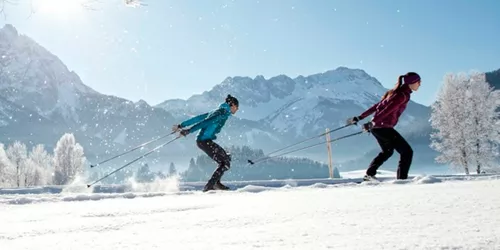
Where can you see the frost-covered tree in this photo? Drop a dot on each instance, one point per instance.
(483, 104)
(446, 118)
(32, 174)
(7, 171)
(69, 160)
(41, 163)
(464, 117)
(18, 155)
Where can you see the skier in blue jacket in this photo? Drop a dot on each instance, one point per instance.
(210, 124)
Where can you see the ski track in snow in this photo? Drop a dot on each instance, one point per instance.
(423, 213)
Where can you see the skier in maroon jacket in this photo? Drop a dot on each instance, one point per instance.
(386, 116)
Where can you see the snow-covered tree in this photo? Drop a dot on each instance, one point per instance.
(41, 163)
(32, 174)
(483, 105)
(447, 114)
(464, 117)
(7, 171)
(18, 155)
(69, 160)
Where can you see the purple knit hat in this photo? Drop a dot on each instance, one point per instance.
(410, 79)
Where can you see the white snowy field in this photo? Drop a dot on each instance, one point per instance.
(424, 213)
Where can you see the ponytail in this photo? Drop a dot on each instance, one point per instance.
(400, 82)
(395, 88)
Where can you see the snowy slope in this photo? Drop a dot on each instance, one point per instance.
(17, 123)
(421, 214)
(33, 77)
(39, 85)
(9, 112)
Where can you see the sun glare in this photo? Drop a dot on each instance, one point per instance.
(59, 9)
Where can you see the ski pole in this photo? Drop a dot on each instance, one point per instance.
(297, 143)
(129, 151)
(136, 159)
(310, 146)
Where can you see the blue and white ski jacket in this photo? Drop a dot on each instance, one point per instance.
(210, 123)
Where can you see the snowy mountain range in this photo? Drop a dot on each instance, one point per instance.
(282, 110)
(39, 93)
(41, 99)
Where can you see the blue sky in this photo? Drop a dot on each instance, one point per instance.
(174, 49)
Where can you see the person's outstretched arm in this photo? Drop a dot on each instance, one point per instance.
(193, 120)
(213, 118)
(368, 111)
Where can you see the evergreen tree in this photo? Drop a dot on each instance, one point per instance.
(172, 170)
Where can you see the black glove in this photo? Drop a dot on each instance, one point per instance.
(353, 120)
(184, 132)
(368, 126)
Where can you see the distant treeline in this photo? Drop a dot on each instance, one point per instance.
(201, 168)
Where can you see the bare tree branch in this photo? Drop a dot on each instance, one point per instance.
(3, 3)
(32, 10)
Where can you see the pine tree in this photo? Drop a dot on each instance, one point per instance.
(144, 174)
(172, 170)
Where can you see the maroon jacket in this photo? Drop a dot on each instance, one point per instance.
(387, 112)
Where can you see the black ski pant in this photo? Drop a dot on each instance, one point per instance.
(219, 155)
(389, 140)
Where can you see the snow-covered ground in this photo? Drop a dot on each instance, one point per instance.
(422, 213)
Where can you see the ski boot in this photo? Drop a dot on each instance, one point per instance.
(208, 188)
(220, 186)
(369, 178)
